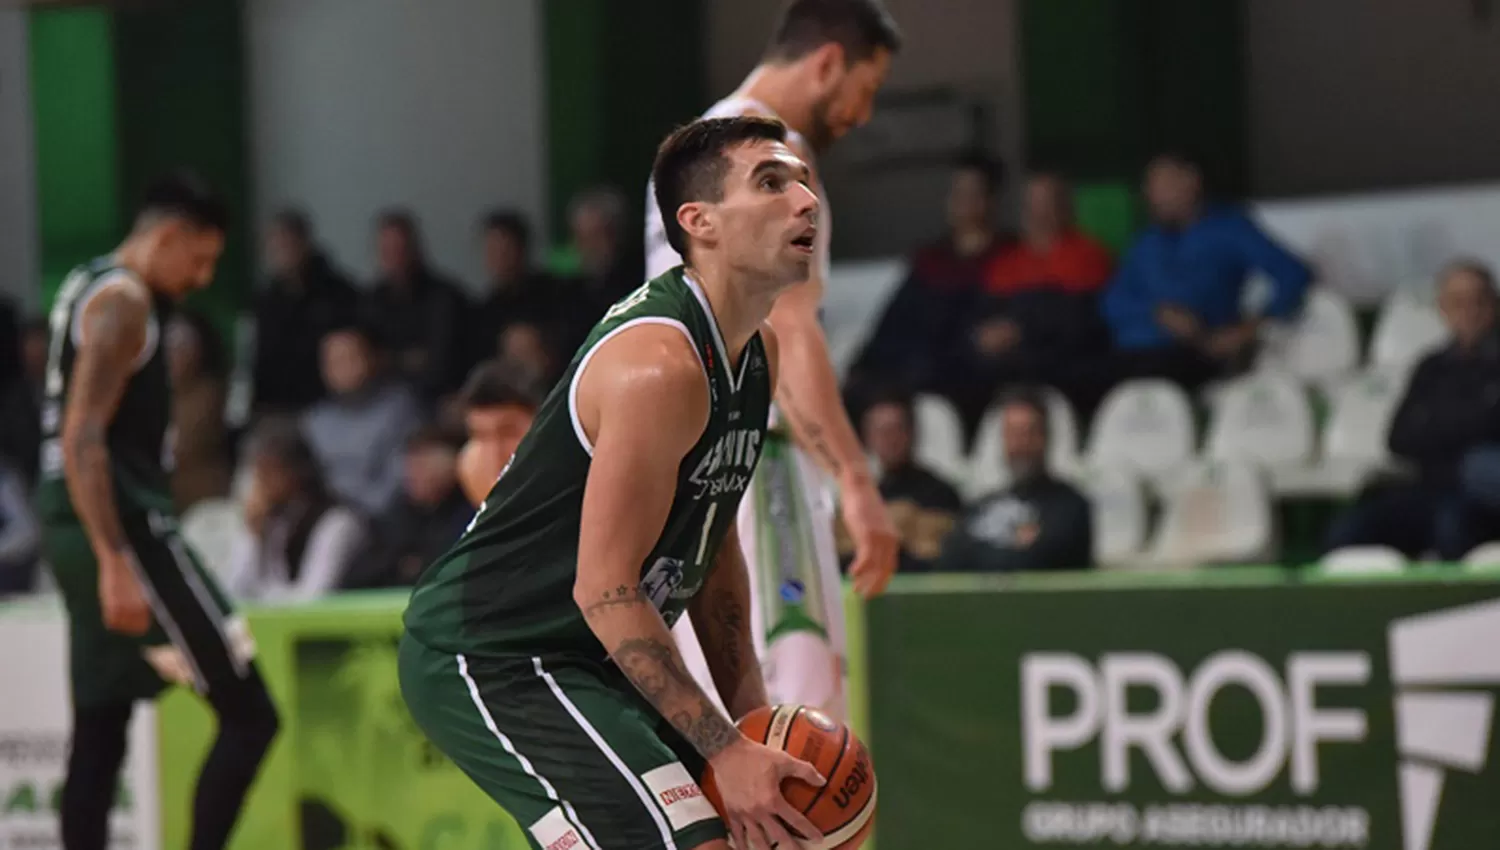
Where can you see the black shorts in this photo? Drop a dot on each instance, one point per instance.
(195, 638)
(566, 745)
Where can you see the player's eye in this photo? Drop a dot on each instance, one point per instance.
(771, 183)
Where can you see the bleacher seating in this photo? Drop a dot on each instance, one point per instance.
(1406, 330)
(1215, 513)
(211, 528)
(1121, 516)
(1144, 425)
(1362, 560)
(940, 442)
(1264, 418)
(1322, 345)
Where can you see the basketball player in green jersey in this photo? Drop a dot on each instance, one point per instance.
(142, 611)
(537, 652)
(820, 73)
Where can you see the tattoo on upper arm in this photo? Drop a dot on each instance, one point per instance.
(652, 666)
(102, 369)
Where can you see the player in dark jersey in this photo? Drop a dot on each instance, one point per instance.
(537, 652)
(142, 611)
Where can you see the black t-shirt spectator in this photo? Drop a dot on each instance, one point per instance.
(291, 318)
(1039, 524)
(420, 323)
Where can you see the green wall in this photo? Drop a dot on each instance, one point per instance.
(120, 96)
(1107, 84)
(619, 77)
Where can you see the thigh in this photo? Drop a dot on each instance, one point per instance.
(558, 744)
(206, 645)
(105, 668)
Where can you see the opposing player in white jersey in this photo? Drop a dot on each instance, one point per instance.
(819, 76)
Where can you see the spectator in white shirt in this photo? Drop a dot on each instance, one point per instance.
(299, 540)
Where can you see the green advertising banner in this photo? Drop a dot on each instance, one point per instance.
(350, 770)
(1222, 709)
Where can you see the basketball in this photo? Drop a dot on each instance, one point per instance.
(844, 808)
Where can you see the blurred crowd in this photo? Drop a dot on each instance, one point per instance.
(346, 473)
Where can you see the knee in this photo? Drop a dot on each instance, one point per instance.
(250, 716)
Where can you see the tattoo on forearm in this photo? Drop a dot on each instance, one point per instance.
(726, 617)
(620, 597)
(91, 486)
(811, 432)
(653, 667)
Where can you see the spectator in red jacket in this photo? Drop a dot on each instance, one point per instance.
(911, 342)
(1036, 320)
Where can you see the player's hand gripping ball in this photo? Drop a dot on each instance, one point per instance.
(844, 808)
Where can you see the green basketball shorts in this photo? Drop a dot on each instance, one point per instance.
(194, 638)
(566, 745)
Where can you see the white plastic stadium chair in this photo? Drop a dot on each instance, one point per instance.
(1322, 343)
(1145, 425)
(1405, 332)
(1363, 560)
(1219, 512)
(987, 471)
(1121, 516)
(1265, 418)
(1485, 556)
(940, 437)
(212, 527)
(1354, 437)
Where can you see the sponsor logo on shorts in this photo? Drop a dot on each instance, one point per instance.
(554, 832)
(680, 797)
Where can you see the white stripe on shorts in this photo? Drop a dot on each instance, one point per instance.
(526, 765)
(168, 624)
(614, 758)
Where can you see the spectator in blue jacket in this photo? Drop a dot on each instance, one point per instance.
(1174, 306)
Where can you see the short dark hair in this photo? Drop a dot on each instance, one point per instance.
(432, 434)
(1031, 397)
(183, 194)
(362, 331)
(396, 218)
(1474, 267)
(493, 384)
(897, 397)
(1178, 156)
(281, 437)
(295, 222)
(691, 165)
(989, 168)
(860, 27)
(510, 222)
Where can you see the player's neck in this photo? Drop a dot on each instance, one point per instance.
(132, 256)
(739, 307)
(778, 87)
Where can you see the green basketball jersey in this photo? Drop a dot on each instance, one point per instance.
(140, 435)
(506, 586)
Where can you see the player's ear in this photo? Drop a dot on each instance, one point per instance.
(695, 221)
(828, 63)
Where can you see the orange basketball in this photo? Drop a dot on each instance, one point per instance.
(844, 808)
